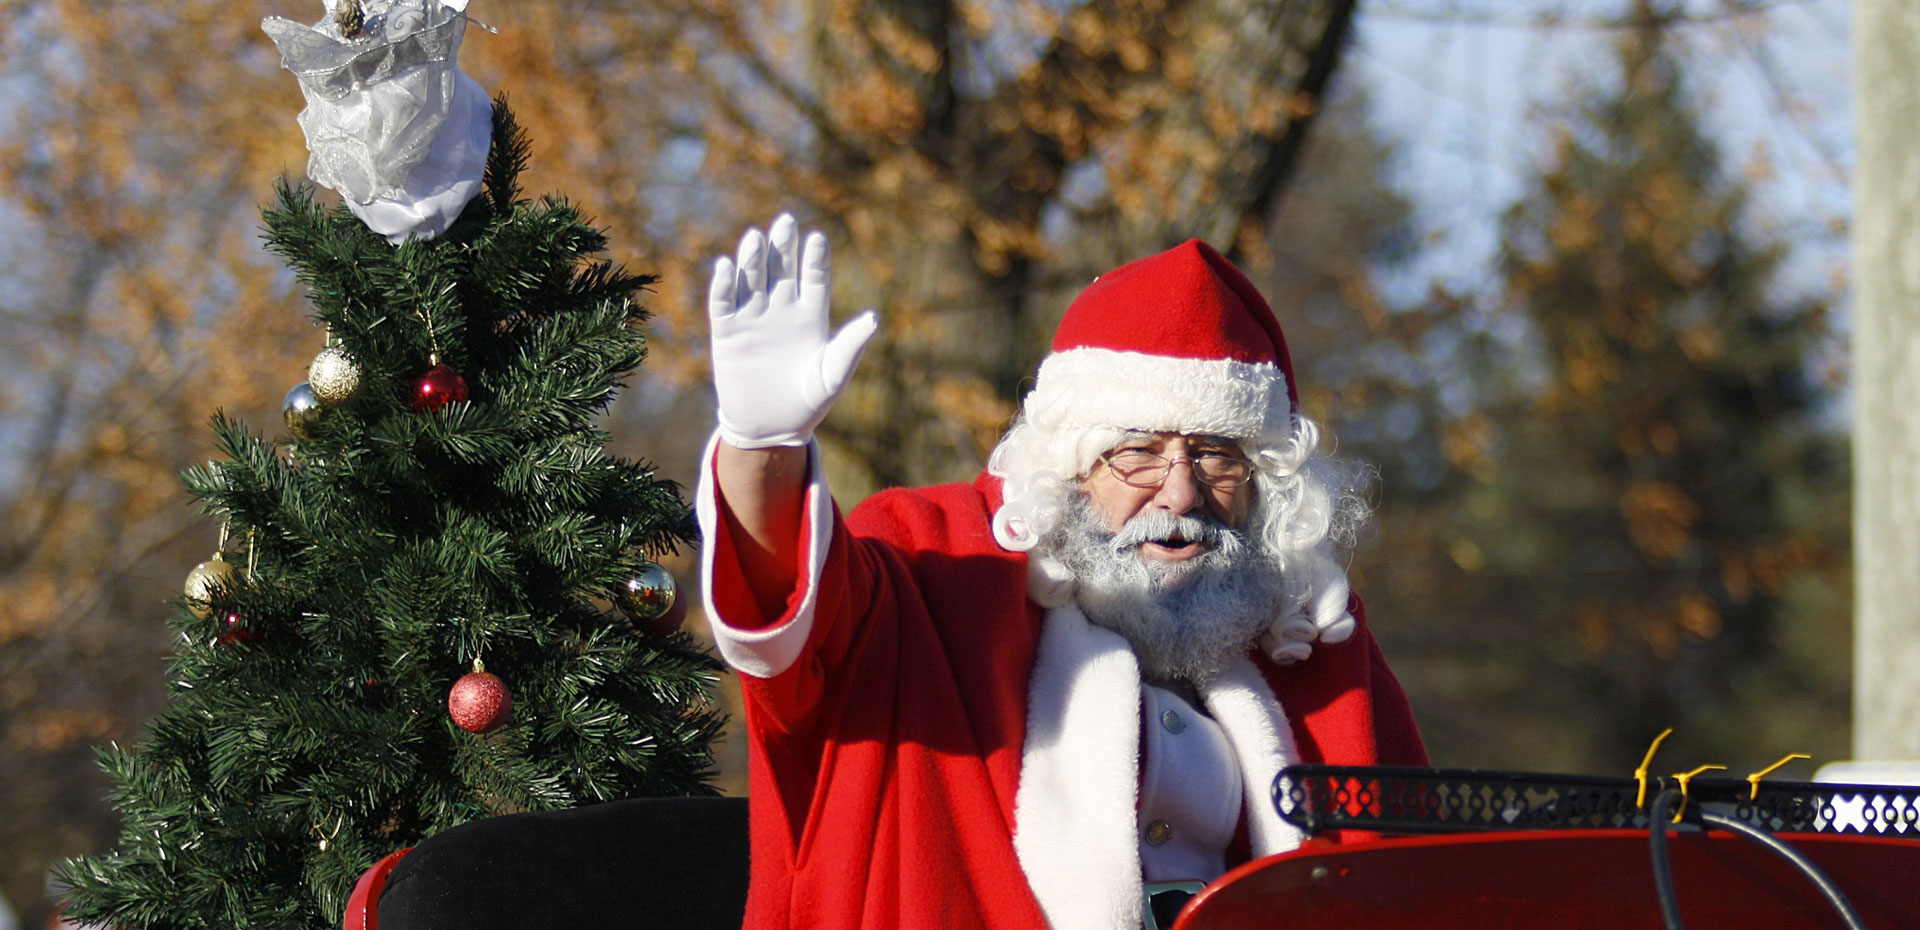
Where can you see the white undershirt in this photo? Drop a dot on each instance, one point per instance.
(1190, 793)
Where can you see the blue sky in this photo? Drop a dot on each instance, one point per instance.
(1464, 86)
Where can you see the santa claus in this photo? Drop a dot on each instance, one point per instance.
(1051, 695)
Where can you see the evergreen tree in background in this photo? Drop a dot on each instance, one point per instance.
(1662, 509)
(454, 507)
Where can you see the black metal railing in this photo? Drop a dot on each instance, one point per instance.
(1318, 798)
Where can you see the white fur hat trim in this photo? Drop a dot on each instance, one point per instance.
(1089, 387)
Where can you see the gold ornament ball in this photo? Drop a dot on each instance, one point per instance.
(303, 411)
(334, 376)
(648, 595)
(205, 579)
(349, 19)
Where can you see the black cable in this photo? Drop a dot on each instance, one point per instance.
(1661, 816)
(1780, 848)
(1658, 819)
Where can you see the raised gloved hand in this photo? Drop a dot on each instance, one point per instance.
(774, 367)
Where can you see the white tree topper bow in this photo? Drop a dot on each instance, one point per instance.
(391, 121)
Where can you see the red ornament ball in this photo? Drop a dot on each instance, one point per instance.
(438, 387)
(479, 702)
(234, 632)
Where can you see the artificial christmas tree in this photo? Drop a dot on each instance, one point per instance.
(441, 499)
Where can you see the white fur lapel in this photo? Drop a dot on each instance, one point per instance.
(1076, 831)
(1074, 823)
(1244, 706)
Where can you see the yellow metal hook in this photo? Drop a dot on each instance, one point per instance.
(1753, 781)
(1640, 774)
(1683, 778)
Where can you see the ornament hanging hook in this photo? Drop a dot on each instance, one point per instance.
(326, 839)
(424, 310)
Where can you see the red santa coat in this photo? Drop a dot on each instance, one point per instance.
(887, 713)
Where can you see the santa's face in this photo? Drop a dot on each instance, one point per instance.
(1177, 578)
(1176, 475)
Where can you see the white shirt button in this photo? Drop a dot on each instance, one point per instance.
(1171, 720)
(1158, 832)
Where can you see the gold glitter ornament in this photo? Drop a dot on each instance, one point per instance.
(334, 376)
(207, 578)
(348, 18)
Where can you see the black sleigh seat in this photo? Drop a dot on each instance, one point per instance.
(645, 862)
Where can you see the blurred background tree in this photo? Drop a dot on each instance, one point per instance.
(976, 162)
(1634, 513)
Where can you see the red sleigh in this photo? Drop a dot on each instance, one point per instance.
(1481, 850)
(1511, 850)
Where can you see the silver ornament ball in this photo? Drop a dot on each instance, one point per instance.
(303, 411)
(334, 376)
(648, 595)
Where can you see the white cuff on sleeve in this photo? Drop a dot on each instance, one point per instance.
(756, 649)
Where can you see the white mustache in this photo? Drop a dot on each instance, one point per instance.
(1155, 525)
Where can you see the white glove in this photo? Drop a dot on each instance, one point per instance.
(774, 368)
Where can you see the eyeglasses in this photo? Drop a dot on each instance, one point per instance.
(1142, 469)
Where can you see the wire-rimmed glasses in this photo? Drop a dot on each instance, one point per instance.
(1215, 468)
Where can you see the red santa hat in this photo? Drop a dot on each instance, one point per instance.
(1175, 342)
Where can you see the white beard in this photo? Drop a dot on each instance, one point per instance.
(1185, 620)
